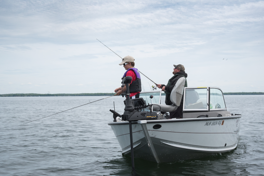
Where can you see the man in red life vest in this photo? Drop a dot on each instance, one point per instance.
(135, 86)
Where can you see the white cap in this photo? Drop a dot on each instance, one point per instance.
(127, 59)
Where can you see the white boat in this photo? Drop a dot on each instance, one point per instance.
(206, 127)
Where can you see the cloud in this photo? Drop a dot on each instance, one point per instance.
(80, 57)
(15, 47)
(55, 41)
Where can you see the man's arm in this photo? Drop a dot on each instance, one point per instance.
(120, 90)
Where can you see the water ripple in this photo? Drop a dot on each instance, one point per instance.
(80, 142)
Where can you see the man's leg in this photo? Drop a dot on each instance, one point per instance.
(178, 113)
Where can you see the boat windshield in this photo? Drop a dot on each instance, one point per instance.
(216, 99)
(196, 99)
(155, 94)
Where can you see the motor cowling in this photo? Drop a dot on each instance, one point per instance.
(136, 115)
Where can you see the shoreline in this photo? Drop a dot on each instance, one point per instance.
(101, 94)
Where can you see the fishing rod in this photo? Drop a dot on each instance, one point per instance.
(148, 78)
(67, 110)
(122, 58)
(109, 49)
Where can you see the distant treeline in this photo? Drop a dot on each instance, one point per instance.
(102, 94)
(54, 95)
(244, 93)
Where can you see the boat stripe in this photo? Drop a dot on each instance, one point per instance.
(181, 132)
(128, 133)
(194, 132)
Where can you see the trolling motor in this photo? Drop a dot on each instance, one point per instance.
(133, 113)
(133, 106)
(129, 105)
(128, 102)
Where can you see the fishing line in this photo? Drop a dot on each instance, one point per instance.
(109, 49)
(67, 110)
(122, 58)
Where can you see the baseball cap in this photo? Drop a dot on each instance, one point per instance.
(180, 67)
(127, 59)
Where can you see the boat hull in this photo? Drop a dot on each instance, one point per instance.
(179, 139)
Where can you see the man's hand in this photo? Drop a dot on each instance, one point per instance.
(162, 87)
(117, 89)
(118, 92)
(159, 85)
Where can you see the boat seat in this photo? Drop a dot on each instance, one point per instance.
(191, 96)
(175, 97)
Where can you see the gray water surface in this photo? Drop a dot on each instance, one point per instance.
(79, 142)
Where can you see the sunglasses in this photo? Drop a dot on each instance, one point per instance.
(125, 64)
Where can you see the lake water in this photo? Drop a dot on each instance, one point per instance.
(79, 142)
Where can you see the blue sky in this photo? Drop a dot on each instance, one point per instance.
(50, 46)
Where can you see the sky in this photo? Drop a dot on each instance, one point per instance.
(51, 46)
